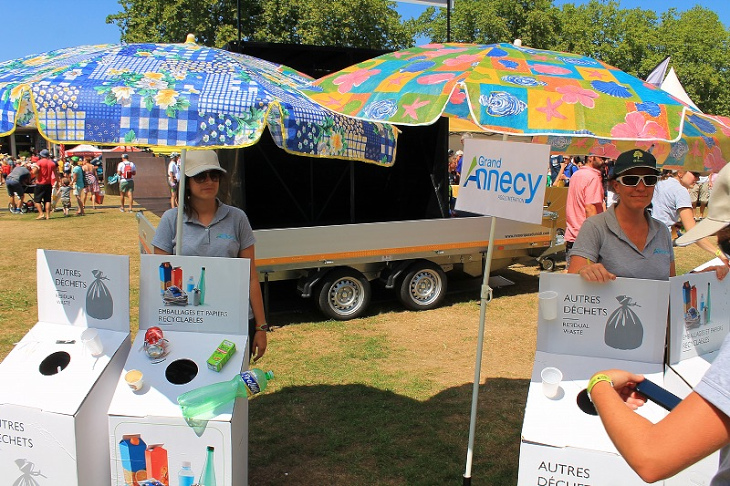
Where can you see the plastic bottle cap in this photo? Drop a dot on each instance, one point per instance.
(186, 464)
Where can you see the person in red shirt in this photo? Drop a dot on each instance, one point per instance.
(585, 199)
(45, 176)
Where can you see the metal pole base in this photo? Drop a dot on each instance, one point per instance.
(467, 481)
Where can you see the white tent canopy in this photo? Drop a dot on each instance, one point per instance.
(672, 86)
(84, 149)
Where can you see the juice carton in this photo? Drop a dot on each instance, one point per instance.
(132, 451)
(156, 459)
(165, 276)
(221, 355)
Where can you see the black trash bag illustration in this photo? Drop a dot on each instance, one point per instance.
(28, 472)
(623, 328)
(99, 303)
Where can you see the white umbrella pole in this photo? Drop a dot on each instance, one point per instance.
(180, 202)
(486, 296)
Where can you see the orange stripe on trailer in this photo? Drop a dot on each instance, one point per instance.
(144, 244)
(402, 250)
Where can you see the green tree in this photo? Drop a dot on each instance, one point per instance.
(699, 46)
(351, 23)
(490, 21)
(623, 38)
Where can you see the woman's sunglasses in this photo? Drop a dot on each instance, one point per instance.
(203, 176)
(633, 180)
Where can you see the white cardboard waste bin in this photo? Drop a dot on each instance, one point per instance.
(621, 324)
(53, 392)
(698, 324)
(148, 436)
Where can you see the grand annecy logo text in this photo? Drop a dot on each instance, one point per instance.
(489, 175)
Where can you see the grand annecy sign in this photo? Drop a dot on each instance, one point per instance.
(504, 179)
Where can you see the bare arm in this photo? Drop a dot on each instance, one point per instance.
(592, 272)
(257, 304)
(686, 216)
(690, 432)
(595, 208)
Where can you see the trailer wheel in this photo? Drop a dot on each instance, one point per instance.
(423, 287)
(548, 264)
(344, 294)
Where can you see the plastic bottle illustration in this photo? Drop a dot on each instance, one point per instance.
(186, 477)
(201, 285)
(199, 404)
(191, 285)
(207, 477)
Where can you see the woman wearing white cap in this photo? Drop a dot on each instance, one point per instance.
(700, 424)
(214, 229)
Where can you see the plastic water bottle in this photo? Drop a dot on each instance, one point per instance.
(201, 285)
(186, 477)
(207, 477)
(200, 403)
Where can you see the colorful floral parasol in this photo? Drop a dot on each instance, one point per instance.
(178, 95)
(575, 103)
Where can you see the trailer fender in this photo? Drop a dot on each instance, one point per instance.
(393, 272)
(306, 283)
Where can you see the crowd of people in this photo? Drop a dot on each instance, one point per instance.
(675, 195)
(44, 183)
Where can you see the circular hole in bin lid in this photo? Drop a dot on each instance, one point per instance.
(585, 403)
(181, 371)
(54, 363)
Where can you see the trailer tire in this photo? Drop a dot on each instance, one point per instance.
(423, 286)
(344, 294)
(548, 264)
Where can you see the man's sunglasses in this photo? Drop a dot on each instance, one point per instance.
(633, 180)
(214, 175)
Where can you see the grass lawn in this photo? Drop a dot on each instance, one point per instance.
(381, 400)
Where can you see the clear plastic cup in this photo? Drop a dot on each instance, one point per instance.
(548, 304)
(551, 378)
(92, 342)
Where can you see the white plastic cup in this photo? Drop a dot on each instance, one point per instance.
(548, 304)
(135, 379)
(91, 341)
(551, 378)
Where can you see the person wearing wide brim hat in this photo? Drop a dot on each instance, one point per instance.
(718, 214)
(212, 228)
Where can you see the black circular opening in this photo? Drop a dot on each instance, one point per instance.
(54, 363)
(585, 403)
(181, 371)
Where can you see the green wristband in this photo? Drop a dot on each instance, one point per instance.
(595, 380)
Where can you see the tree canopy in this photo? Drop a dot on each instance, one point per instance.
(634, 40)
(353, 23)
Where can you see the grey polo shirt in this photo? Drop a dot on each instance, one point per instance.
(601, 240)
(228, 233)
(715, 388)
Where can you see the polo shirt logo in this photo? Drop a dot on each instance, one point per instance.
(661, 251)
(224, 236)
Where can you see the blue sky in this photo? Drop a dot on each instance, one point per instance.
(35, 26)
